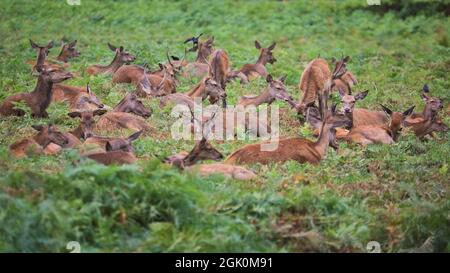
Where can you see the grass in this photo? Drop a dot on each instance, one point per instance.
(397, 195)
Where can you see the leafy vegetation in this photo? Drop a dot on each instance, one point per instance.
(397, 195)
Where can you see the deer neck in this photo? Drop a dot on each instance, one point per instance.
(428, 113)
(40, 59)
(62, 56)
(350, 117)
(197, 91)
(264, 97)
(43, 91)
(115, 64)
(261, 60)
(77, 132)
(322, 143)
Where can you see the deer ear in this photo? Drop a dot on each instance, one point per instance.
(33, 44)
(424, 97)
(50, 45)
(121, 48)
(99, 112)
(272, 46)
(161, 66)
(175, 58)
(108, 147)
(346, 59)
(134, 136)
(361, 95)
(333, 60)
(74, 114)
(386, 110)
(283, 79)
(73, 44)
(37, 127)
(341, 92)
(409, 111)
(111, 47)
(269, 78)
(257, 45)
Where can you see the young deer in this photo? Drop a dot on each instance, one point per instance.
(86, 127)
(384, 134)
(36, 144)
(79, 98)
(118, 150)
(120, 58)
(68, 51)
(128, 113)
(252, 71)
(39, 99)
(299, 149)
(275, 90)
(199, 68)
(42, 53)
(316, 76)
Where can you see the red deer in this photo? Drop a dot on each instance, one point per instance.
(207, 88)
(78, 98)
(128, 113)
(298, 149)
(383, 134)
(275, 90)
(317, 75)
(252, 71)
(39, 99)
(85, 129)
(199, 68)
(118, 150)
(36, 144)
(120, 58)
(68, 51)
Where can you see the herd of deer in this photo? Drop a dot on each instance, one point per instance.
(212, 67)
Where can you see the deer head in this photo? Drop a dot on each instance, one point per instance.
(213, 91)
(122, 55)
(68, 51)
(91, 99)
(131, 104)
(349, 100)
(49, 134)
(87, 121)
(53, 75)
(204, 49)
(277, 89)
(396, 120)
(42, 52)
(432, 104)
(122, 144)
(265, 54)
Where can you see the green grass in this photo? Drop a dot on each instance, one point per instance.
(397, 195)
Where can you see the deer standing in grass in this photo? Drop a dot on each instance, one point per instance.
(39, 99)
(298, 149)
(316, 76)
(78, 98)
(129, 113)
(46, 134)
(121, 57)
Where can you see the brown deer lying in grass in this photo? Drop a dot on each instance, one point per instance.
(78, 98)
(121, 57)
(299, 149)
(275, 90)
(427, 122)
(252, 71)
(128, 113)
(199, 68)
(36, 144)
(118, 150)
(203, 150)
(68, 51)
(384, 134)
(39, 99)
(85, 129)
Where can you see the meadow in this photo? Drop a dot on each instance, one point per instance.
(397, 195)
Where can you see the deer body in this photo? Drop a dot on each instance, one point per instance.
(252, 71)
(121, 57)
(231, 171)
(39, 99)
(37, 143)
(78, 98)
(275, 90)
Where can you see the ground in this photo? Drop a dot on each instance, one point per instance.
(397, 195)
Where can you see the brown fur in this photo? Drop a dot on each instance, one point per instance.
(252, 71)
(115, 157)
(220, 67)
(231, 171)
(120, 58)
(78, 98)
(39, 99)
(275, 90)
